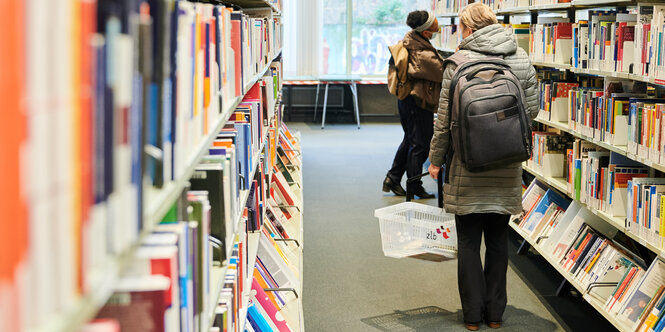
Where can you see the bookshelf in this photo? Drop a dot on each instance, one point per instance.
(447, 15)
(595, 303)
(158, 200)
(581, 4)
(514, 10)
(597, 76)
(158, 204)
(259, 4)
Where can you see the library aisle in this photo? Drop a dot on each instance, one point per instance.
(348, 284)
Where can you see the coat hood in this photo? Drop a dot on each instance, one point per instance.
(492, 40)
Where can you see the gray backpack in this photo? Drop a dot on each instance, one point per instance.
(489, 123)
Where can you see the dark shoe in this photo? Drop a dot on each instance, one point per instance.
(390, 185)
(494, 325)
(421, 193)
(472, 326)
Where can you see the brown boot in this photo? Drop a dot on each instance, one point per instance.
(494, 325)
(472, 326)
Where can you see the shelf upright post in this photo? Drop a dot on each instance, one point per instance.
(524, 247)
(564, 288)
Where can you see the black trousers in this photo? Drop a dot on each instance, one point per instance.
(418, 126)
(482, 289)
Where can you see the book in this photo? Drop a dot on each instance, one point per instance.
(210, 177)
(138, 303)
(645, 290)
(261, 298)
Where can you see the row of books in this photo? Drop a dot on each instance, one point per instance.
(548, 153)
(551, 40)
(449, 37)
(110, 98)
(276, 265)
(594, 176)
(573, 238)
(607, 40)
(605, 181)
(604, 112)
(449, 6)
(506, 4)
(230, 161)
(237, 47)
(169, 286)
(115, 92)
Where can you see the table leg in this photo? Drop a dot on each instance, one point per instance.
(316, 102)
(325, 104)
(354, 90)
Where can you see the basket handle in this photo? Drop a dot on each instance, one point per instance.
(439, 182)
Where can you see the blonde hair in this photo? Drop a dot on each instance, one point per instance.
(477, 16)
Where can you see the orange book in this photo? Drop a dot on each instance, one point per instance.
(572, 257)
(619, 292)
(14, 223)
(271, 295)
(88, 14)
(222, 144)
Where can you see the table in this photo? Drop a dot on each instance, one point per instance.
(337, 79)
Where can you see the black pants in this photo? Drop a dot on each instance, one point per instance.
(418, 126)
(482, 290)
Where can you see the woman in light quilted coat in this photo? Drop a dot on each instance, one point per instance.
(482, 201)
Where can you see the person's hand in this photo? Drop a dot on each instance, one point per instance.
(434, 171)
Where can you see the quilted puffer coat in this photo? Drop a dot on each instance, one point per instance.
(498, 190)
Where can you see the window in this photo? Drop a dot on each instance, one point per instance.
(344, 37)
(334, 43)
(360, 46)
(378, 24)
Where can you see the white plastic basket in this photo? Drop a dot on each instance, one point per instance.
(411, 229)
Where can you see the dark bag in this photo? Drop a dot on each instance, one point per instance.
(489, 123)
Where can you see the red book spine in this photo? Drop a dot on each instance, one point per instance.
(14, 223)
(87, 98)
(236, 45)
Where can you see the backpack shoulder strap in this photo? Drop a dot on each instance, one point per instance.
(457, 58)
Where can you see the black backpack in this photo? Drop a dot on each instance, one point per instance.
(489, 123)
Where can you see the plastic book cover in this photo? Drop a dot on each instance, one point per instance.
(646, 289)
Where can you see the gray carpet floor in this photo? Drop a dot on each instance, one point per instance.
(349, 285)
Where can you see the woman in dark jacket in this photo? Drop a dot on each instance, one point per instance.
(416, 112)
(482, 201)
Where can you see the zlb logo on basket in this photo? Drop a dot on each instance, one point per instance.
(444, 232)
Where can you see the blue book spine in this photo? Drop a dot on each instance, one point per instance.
(167, 119)
(100, 123)
(248, 161)
(241, 156)
(576, 47)
(136, 127)
(629, 202)
(152, 137)
(259, 322)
